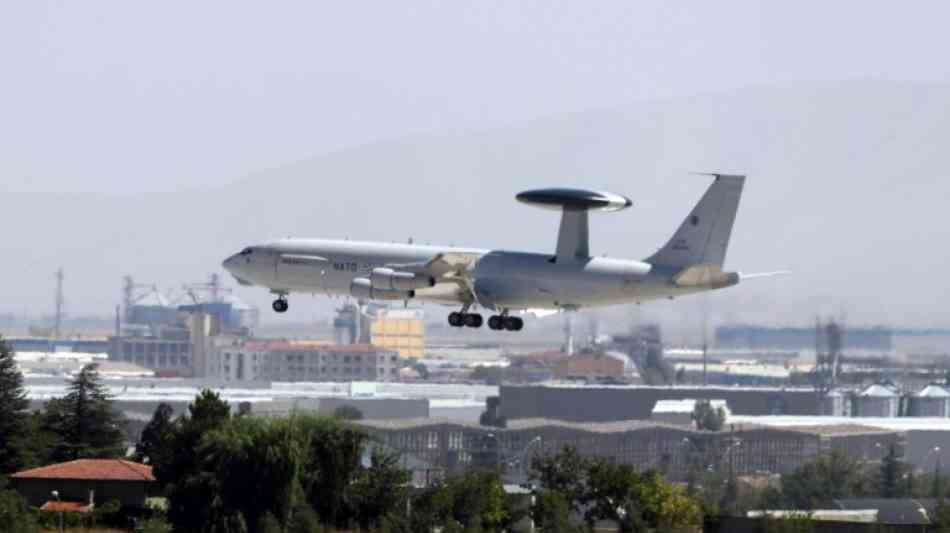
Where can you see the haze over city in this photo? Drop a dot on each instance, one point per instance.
(533, 266)
(140, 139)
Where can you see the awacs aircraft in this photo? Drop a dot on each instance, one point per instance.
(508, 282)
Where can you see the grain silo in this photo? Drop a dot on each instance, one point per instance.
(877, 401)
(933, 400)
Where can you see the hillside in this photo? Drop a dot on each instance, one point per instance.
(847, 186)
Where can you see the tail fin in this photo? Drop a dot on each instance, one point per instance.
(703, 237)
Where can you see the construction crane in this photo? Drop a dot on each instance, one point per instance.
(213, 288)
(130, 297)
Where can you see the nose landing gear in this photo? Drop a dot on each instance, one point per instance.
(280, 305)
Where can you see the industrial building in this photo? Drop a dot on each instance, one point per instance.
(604, 403)
(677, 451)
(402, 330)
(167, 355)
(876, 339)
(369, 408)
(597, 366)
(680, 412)
(235, 359)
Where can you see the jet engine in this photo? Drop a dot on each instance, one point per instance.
(363, 288)
(391, 280)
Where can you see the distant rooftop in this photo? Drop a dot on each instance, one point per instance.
(91, 469)
(618, 426)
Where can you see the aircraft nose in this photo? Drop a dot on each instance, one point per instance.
(231, 262)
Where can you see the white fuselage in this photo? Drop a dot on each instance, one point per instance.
(501, 280)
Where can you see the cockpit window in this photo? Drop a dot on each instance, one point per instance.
(247, 251)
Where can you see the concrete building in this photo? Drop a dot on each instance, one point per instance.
(87, 482)
(877, 401)
(370, 408)
(233, 359)
(932, 401)
(604, 403)
(348, 362)
(168, 356)
(678, 452)
(402, 330)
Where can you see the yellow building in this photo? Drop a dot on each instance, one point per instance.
(402, 330)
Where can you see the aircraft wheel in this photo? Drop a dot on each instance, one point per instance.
(513, 323)
(473, 320)
(456, 319)
(280, 305)
(496, 322)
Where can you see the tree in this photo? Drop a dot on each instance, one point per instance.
(15, 514)
(187, 487)
(471, 501)
(379, 490)
(348, 412)
(563, 473)
(829, 477)
(707, 417)
(490, 375)
(83, 422)
(552, 513)
(156, 441)
(332, 461)
(890, 475)
(637, 502)
(14, 415)
(941, 520)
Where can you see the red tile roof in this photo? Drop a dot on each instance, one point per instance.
(55, 506)
(91, 469)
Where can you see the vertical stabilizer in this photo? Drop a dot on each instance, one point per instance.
(703, 237)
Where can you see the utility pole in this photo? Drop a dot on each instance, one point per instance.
(705, 339)
(58, 316)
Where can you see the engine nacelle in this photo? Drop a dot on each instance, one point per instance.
(388, 279)
(363, 288)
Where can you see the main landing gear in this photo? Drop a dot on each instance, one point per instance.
(500, 322)
(460, 319)
(280, 305)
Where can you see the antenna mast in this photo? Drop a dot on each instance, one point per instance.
(58, 316)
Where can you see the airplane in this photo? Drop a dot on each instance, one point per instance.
(509, 282)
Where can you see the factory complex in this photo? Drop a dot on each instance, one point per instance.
(443, 400)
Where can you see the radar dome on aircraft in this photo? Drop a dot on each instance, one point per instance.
(574, 199)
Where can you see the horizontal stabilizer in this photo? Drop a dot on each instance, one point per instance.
(706, 275)
(540, 313)
(764, 274)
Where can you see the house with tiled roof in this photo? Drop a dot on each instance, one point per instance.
(81, 484)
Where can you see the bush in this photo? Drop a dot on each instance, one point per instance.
(15, 515)
(154, 525)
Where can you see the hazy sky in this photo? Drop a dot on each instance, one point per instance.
(124, 97)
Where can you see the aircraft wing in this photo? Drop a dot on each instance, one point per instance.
(450, 264)
(448, 268)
